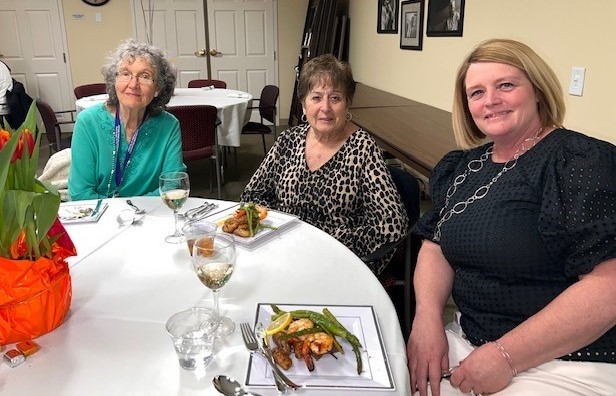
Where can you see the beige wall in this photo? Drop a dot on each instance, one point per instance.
(291, 18)
(575, 33)
(89, 42)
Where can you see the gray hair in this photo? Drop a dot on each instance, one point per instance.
(164, 75)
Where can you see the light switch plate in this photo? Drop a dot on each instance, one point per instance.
(576, 86)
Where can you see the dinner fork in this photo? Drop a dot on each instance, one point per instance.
(250, 340)
(199, 212)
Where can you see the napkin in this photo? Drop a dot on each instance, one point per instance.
(98, 97)
(208, 87)
(237, 95)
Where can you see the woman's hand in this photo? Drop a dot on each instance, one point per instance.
(427, 354)
(483, 371)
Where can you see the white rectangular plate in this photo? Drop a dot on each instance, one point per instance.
(329, 372)
(80, 212)
(274, 219)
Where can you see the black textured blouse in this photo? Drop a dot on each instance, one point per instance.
(542, 224)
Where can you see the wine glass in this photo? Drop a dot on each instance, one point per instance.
(214, 259)
(174, 189)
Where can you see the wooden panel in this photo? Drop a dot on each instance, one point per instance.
(187, 33)
(254, 21)
(366, 96)
(11, 44)
(224, 41)
(416, 133)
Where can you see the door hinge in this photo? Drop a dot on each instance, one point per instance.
(64, 56)
(274, 55)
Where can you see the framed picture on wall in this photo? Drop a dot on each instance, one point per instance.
(411, 24)
(445, 18)
(387, 16)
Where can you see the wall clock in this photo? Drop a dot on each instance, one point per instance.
(96, 2)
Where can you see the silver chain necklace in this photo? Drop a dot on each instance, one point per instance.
(473, 167)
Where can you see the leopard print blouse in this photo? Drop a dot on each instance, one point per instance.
(352, 196)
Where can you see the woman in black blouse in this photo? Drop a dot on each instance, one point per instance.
(523, 234)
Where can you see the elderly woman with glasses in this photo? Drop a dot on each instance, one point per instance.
(120, 147)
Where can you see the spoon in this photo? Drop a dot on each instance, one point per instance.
(229, 387)
(132, 205)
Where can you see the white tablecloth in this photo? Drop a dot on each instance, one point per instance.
(231, 105)
(124, 290)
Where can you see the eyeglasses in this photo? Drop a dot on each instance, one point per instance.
(142, 79)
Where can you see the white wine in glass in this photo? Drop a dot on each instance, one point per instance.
(174, 190)
(214, 261)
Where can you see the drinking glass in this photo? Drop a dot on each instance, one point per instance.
(192, 333)
(174, 189)
(214, 259)
(194, 230)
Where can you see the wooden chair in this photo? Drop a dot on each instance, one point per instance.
(53, 129)
(90, 89)
(207, 83)
(267, 111)
(397, 278)
(199, 124)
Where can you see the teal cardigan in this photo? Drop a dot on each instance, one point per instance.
(158, 149)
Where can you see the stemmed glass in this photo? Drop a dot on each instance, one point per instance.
(214, 259)
(174, 189)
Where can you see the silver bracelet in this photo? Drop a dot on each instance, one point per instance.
(506, 355)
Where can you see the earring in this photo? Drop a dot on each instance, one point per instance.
(304, 118)
(155, 94)
(349, 116)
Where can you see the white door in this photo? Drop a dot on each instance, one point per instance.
(242, 36)
(32, 44)
(179, 28)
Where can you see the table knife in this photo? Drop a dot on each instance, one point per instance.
(97, 208)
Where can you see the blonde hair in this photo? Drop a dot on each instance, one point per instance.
(551, 104)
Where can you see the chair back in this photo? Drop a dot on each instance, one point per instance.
(53, 130)
(198, 125)
(408, 187)
(50, 121)
(267, 102)
(207, 83)
(90, 89)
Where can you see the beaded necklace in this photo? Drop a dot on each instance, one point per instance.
(472, 167)
(116, 170)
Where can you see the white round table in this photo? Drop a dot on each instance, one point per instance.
(231, 104)
(129, 282)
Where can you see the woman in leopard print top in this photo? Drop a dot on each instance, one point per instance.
(329, 172)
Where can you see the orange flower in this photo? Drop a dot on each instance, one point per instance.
(19, 248)
(26, 135)
(4, 137)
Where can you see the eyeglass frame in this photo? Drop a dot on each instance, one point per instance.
(123, 75)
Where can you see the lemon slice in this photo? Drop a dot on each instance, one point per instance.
(279, 324)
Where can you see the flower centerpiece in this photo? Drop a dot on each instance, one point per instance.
(35, 285)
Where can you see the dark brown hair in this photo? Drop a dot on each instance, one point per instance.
(326, 70)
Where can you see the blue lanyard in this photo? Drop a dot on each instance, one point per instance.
(121, 171)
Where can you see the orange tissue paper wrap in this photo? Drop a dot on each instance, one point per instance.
(35, 295)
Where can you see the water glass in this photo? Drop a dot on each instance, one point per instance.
(201, 229)
(192, 333)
